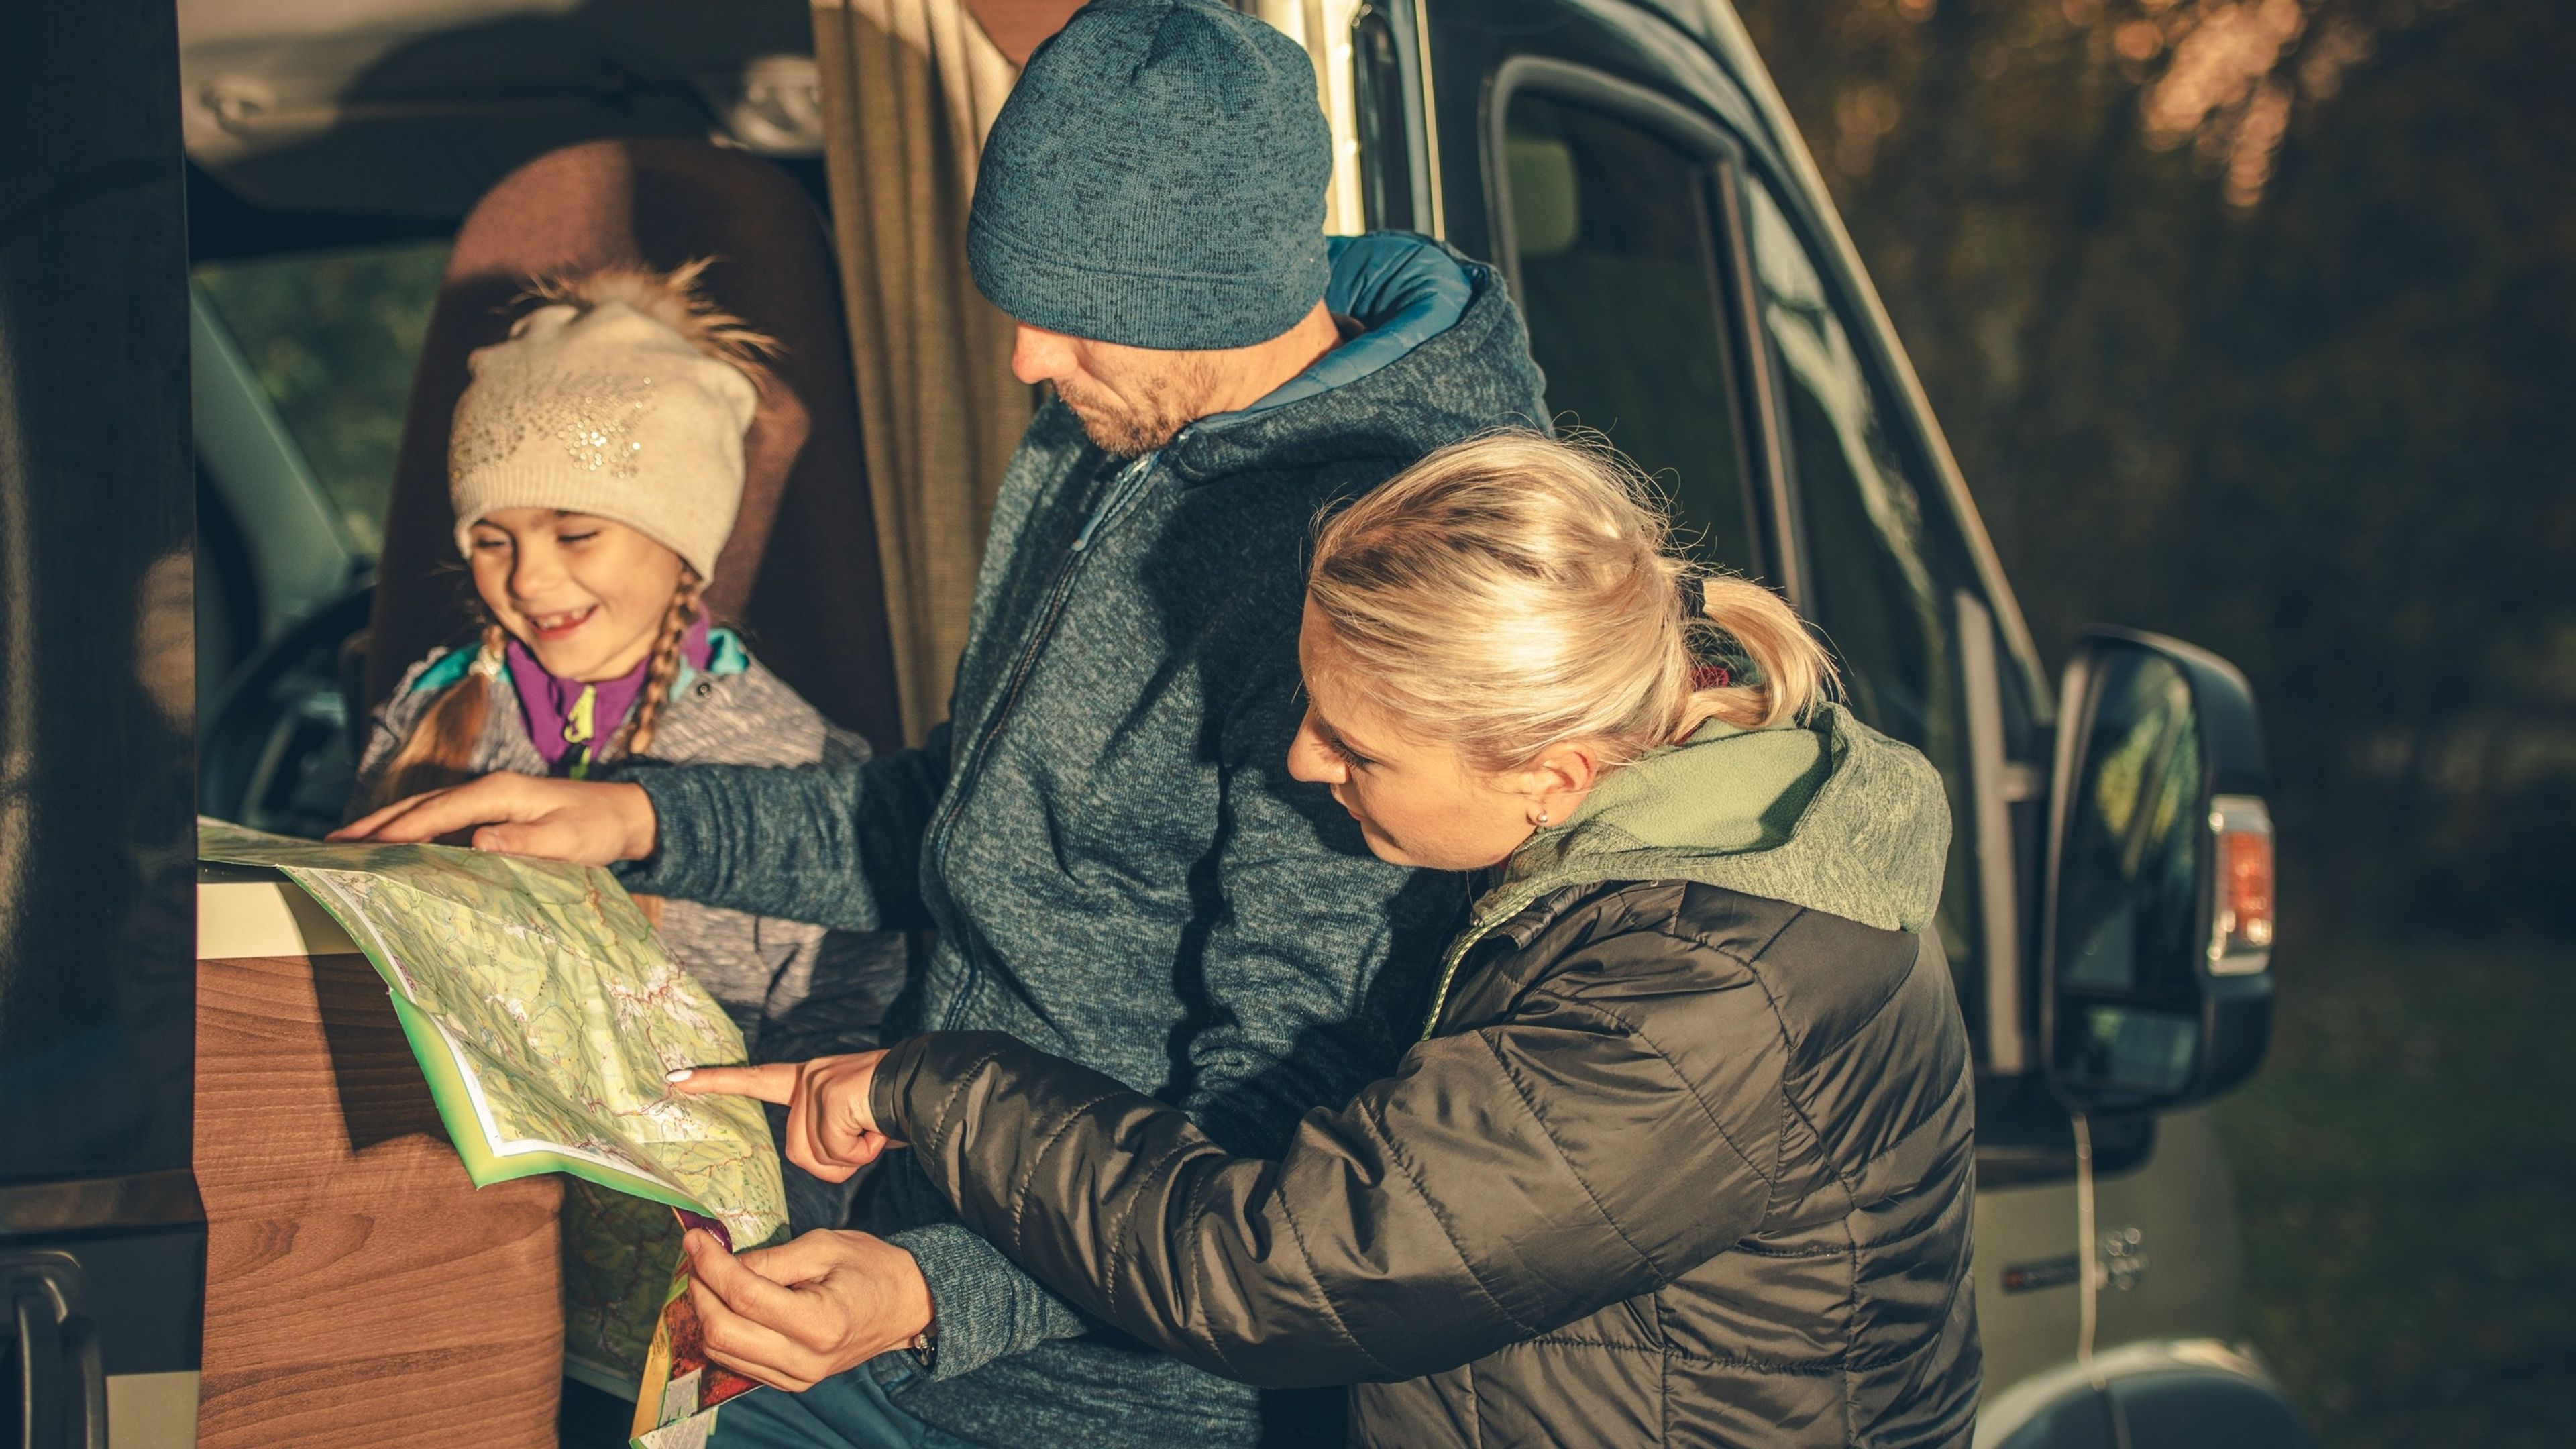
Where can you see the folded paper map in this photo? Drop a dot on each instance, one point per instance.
(545, 1012)
(683, 1388)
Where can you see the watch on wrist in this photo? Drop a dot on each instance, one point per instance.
(925, 1346)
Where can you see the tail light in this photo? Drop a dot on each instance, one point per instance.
(2240, 936)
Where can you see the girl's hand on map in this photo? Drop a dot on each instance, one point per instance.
(589, 822)
(794, 1315)
(831, 1127)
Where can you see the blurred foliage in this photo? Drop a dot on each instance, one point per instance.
(2253, 321)
(332, 337)
(2402, 1169)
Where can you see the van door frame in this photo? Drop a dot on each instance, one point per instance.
(102, 1230)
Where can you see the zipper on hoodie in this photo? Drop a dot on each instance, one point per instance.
(1114, 501)
(1122, 490)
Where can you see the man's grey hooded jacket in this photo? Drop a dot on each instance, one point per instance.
(1105, 835)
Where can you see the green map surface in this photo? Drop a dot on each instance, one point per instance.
(544, 1011)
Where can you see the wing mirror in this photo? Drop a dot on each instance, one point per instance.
(2156, 949)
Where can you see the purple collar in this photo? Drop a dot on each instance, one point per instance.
(547, 702)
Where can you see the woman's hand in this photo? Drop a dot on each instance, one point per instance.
(591, 822)
(831, 1130)
(793, 1316)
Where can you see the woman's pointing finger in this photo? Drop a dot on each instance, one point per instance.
(772, 1082)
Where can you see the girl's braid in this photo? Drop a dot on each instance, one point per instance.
(665, 668)
(440, 749)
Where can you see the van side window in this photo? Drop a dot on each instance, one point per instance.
(1881, 580)
(1613, 228)
(1384, 94)
(333, 338)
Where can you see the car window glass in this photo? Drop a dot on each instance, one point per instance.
(1880, 582)
(333, 338)
(2128, 893)
(1613, 229)
(1382, 100)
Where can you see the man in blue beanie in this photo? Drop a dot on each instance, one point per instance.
(1104, 835)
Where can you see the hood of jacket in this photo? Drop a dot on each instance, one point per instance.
(1831, 815)
(1442, 354)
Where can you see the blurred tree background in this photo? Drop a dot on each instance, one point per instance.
(2254, 322)
(333, 337)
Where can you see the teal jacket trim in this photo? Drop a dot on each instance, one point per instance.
(725, 655)
(1408, 290)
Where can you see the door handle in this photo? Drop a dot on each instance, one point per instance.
(40, 1365)
(57, 1372)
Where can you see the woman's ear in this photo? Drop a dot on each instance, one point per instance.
(1560, 777)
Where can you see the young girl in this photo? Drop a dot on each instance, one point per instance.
(596, 466)
(1683, 1156)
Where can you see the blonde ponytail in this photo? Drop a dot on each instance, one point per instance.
(440, 749)
(1514, 591)
(1789, 671)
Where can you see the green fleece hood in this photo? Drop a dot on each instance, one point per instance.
(1831, 815)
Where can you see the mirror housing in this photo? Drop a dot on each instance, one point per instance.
(2156, 936)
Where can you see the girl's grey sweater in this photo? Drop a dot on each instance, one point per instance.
(795, 989)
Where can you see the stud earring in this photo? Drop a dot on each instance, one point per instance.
(1542, 816)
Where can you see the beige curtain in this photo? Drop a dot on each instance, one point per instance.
(910, 87)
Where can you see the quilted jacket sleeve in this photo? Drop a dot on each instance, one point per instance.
(1501, 1182)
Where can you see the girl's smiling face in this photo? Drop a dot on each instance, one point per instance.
(585, 595)
(1418, 801)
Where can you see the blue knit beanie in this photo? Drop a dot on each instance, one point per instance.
(1156, 179)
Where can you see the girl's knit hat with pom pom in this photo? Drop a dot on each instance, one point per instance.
(626, 397)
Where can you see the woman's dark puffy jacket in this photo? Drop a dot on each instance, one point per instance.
(1678, 1164)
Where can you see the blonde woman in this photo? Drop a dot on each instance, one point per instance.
(1683, 1156)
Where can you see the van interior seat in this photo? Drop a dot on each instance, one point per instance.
(800, 576)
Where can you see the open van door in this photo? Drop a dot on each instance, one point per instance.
(101, 1237)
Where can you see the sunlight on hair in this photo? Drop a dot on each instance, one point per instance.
(1513, 591)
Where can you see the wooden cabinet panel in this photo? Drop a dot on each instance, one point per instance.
(359, 1290)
